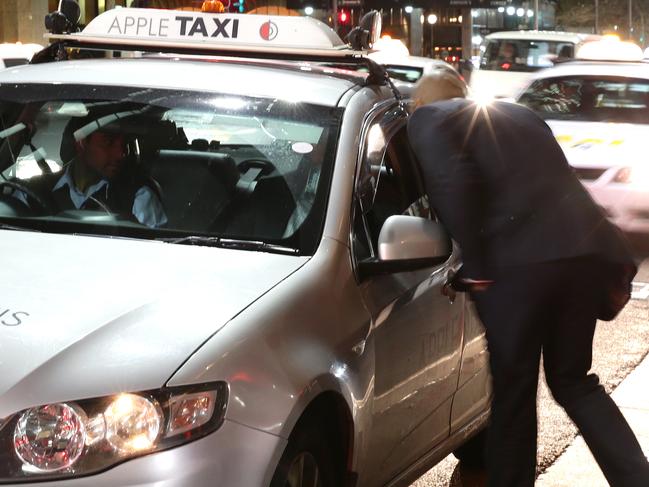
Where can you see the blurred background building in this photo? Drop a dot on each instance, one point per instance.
(446, 29)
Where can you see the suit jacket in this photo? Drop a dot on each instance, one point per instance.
(501, 185)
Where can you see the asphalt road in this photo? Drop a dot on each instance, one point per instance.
(618, 347)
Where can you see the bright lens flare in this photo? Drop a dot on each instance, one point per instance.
(132, 423)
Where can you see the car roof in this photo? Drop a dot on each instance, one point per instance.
(596, 68)
(299, 82)
(538, 35)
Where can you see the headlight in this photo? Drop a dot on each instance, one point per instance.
(69, 439)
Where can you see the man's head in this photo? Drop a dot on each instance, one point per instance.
(438, 85)
(508, 51)
(102, 152)
(95, 145)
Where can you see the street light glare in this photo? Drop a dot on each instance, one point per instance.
(511, 10)
(432, 19)
(308, 10)
(408, 9)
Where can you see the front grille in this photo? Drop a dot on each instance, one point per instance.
(588, 173)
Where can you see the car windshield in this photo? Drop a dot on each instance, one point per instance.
(524, 55)
(589, 98)
(152, 163)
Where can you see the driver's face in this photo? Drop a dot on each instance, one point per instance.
(104, 153)
(508, 50)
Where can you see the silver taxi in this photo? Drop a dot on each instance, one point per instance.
(282, 319)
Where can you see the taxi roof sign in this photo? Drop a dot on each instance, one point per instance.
(609, 49)
(150, 27)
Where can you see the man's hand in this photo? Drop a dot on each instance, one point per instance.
(475, 285)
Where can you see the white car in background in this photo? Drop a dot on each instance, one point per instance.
(509, 58)
(16, 54)
(400, 65)
(599, 113)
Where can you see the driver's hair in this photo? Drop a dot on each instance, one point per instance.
(437, 85)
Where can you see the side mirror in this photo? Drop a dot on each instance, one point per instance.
(65, 19)
(366, 33)
(408, 243)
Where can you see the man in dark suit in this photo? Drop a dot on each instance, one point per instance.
(539, 259)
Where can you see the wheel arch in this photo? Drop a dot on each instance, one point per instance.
(330, 410)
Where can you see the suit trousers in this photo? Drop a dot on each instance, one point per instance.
(550, 309)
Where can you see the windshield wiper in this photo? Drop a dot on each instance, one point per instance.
(232, 243)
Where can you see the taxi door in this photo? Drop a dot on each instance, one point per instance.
(416, 329)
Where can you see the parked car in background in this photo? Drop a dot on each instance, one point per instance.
(15, 54)
(400, 65)
(509, 58)
(598, 110)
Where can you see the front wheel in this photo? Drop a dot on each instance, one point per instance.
(310, 460)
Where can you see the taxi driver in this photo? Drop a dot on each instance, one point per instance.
(98, 175)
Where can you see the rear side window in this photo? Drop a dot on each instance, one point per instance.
(524, 55)
(588, 98)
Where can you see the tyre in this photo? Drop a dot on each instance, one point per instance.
(311, 459)
(473, 453)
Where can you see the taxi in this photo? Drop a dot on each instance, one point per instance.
(400, 65)
(219, 264)
(598, 110)
(508, 59)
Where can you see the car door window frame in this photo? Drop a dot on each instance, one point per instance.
(390, 121)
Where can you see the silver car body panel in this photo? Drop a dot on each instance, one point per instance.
(82, 321)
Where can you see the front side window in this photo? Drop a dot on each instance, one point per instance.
(165, 163)
(524, 55)
(389, 184)
(589, 98)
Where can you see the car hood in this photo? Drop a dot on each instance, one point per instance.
(601, 144)
(85, 316)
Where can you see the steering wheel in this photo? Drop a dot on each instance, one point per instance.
(266, 167)
(40, 204)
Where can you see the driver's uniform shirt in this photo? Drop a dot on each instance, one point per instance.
(147, 208)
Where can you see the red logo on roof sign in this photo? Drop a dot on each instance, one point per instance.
(268, 31)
